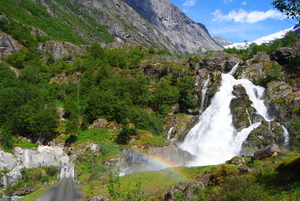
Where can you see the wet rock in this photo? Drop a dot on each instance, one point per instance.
(241, 108)
(265, 134)
(181, 125)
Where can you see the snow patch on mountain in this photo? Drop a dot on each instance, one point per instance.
(261, 40)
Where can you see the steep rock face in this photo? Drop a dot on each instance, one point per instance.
(186, 35)
(123, 22)
(221, 41)
(283, 98)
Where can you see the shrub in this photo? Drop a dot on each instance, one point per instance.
(45, 178)
(239, 188)
(51, 170)
(95, 135)
(37, 175)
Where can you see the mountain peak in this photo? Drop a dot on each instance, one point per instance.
(186, 35)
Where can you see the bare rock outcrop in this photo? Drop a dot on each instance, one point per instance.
(12, 176)
(7, 160)
(60, 49)
(8, 45)
(99, 198)
(29, 158)
(43, 155)
(270, 150)
(218, 61)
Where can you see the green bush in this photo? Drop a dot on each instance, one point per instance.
(45, 178)
(37, 176)
(51, 170)
(95, 135)
(239, 188)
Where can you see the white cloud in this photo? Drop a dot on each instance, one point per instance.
(244, 3)
(189, 2)
(247, 17)
(228, 1)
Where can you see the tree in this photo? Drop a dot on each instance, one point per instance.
(37, 120)
(72, 115)
(288, 7)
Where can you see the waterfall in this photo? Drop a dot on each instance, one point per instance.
(213, 140)
(169, 133)
(286, 136)
(203, 91)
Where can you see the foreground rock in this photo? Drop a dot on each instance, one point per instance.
(270, 150)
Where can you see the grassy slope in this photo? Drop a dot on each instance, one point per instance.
(62, 29)
(274, 178)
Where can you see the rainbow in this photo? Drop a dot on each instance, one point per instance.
(157, 163)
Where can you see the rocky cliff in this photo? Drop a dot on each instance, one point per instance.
(159, 24)
(186, 35)
(123, 23)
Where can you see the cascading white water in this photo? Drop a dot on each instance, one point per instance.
(203, 91)
(286, 136)
(213, 140)
(169, 133)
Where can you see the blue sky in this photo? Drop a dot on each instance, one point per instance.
(236, 20)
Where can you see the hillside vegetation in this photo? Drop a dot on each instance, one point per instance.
(134, 88)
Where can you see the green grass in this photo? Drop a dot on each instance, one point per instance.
(95, 135)
(25, 144)
(148, 140)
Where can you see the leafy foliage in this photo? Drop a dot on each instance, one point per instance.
(130, 194)
(288, 7)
